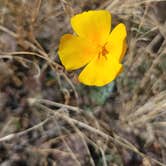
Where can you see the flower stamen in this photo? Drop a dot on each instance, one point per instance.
(103, 52)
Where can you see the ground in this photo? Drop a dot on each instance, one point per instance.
(48, 118)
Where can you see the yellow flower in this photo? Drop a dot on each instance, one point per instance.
(94, 47)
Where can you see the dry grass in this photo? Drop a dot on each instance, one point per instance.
(44, 112)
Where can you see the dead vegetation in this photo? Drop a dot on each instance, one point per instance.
(48, 118)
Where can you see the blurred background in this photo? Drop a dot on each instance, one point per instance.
(48, 118)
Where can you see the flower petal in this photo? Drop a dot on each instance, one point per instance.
(75, 52)
(93, 25)
(116, 44)
(100, 71)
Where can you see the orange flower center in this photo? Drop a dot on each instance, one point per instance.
(103, 51)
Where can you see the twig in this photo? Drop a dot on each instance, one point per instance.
(36, 11)
(4, 29)
(14, 135)
(52, 103)
(103, 157)
(32, 53)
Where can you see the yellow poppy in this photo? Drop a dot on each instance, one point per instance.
(94, 47)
